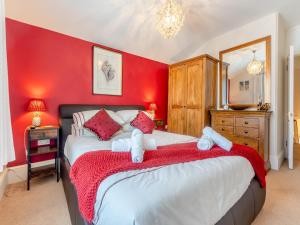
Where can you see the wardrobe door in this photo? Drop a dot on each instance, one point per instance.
(177, 97)
(194, 103)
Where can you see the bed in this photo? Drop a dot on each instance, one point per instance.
(242, 212)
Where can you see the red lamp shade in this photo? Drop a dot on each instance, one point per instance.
(153, 106)
(36, 105)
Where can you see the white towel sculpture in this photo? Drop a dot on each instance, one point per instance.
(137, 151)
(205, 143)
(218, 138)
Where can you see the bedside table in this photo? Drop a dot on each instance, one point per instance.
(159, 123)
(42, 140)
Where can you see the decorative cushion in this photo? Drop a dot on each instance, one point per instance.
(144, 123)
(102, 125)
(80, 118)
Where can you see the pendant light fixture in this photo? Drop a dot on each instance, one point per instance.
(170, 19)
(255, 66)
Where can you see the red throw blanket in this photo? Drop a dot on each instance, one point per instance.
(92, 168)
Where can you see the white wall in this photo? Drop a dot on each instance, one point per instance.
(268, 25)
(249, 96)
(293, 38)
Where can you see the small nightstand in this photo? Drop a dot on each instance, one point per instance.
(42, 141)
(159, 123)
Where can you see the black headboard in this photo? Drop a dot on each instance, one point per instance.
(66, 116)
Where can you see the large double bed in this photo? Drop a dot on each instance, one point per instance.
(222, 191)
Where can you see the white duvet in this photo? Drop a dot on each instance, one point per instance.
(194, 193)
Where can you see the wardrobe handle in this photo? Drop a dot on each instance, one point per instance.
(246, 122)
(246, 132)
(222, 121)
(223, 129)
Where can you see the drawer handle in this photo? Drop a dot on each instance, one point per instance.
(246, 144)
(223, 129)
(246, 122)
(222, 121)
(246, 132)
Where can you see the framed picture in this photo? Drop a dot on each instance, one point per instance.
(107, 72)
(247, 85)
(242, 85)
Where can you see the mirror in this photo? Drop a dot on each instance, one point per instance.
(245, 73)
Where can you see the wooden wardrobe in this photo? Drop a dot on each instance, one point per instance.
(192, 93)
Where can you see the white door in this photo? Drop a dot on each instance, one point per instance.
(290, 142)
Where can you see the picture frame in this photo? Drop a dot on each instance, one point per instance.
(247, 85)
(107, 72)
(242, 86)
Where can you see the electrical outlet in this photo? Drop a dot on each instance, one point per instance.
(43, 142)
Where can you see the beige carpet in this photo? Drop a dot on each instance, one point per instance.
(282, 205)
(45, 204)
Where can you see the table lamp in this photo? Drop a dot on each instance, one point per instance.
(36, 106)
(152, 109)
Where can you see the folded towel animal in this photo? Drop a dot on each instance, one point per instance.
(137, 151)
(218, 138)
(205, 143)
(124, 144)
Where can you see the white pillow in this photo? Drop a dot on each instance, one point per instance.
(80, 118)
(115, 117)
(81, 131)
(129, 115)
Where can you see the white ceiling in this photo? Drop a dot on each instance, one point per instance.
(129, 25)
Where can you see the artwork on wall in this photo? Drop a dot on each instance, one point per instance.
(241, 85)
(244, 85)
(107, 72)
(247, 84)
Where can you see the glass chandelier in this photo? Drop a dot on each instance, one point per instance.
(255, 66)
(170, 19)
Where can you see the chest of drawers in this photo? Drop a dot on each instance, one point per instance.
(250, 128)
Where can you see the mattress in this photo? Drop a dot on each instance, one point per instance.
(206, 190)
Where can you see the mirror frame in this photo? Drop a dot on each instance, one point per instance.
(268, 68)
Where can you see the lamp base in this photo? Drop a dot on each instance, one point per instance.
(36, 121)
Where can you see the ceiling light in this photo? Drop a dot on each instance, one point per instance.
(255, 66)
(170, 19)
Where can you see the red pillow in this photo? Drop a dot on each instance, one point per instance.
(144, 123)
(102, 125)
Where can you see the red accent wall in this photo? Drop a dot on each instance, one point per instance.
(58, 68)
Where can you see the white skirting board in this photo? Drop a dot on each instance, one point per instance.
(3, 182)
(19, 173)
(276, 161)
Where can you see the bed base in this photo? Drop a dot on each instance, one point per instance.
(242, 213)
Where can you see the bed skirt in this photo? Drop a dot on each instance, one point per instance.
(242, 213)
